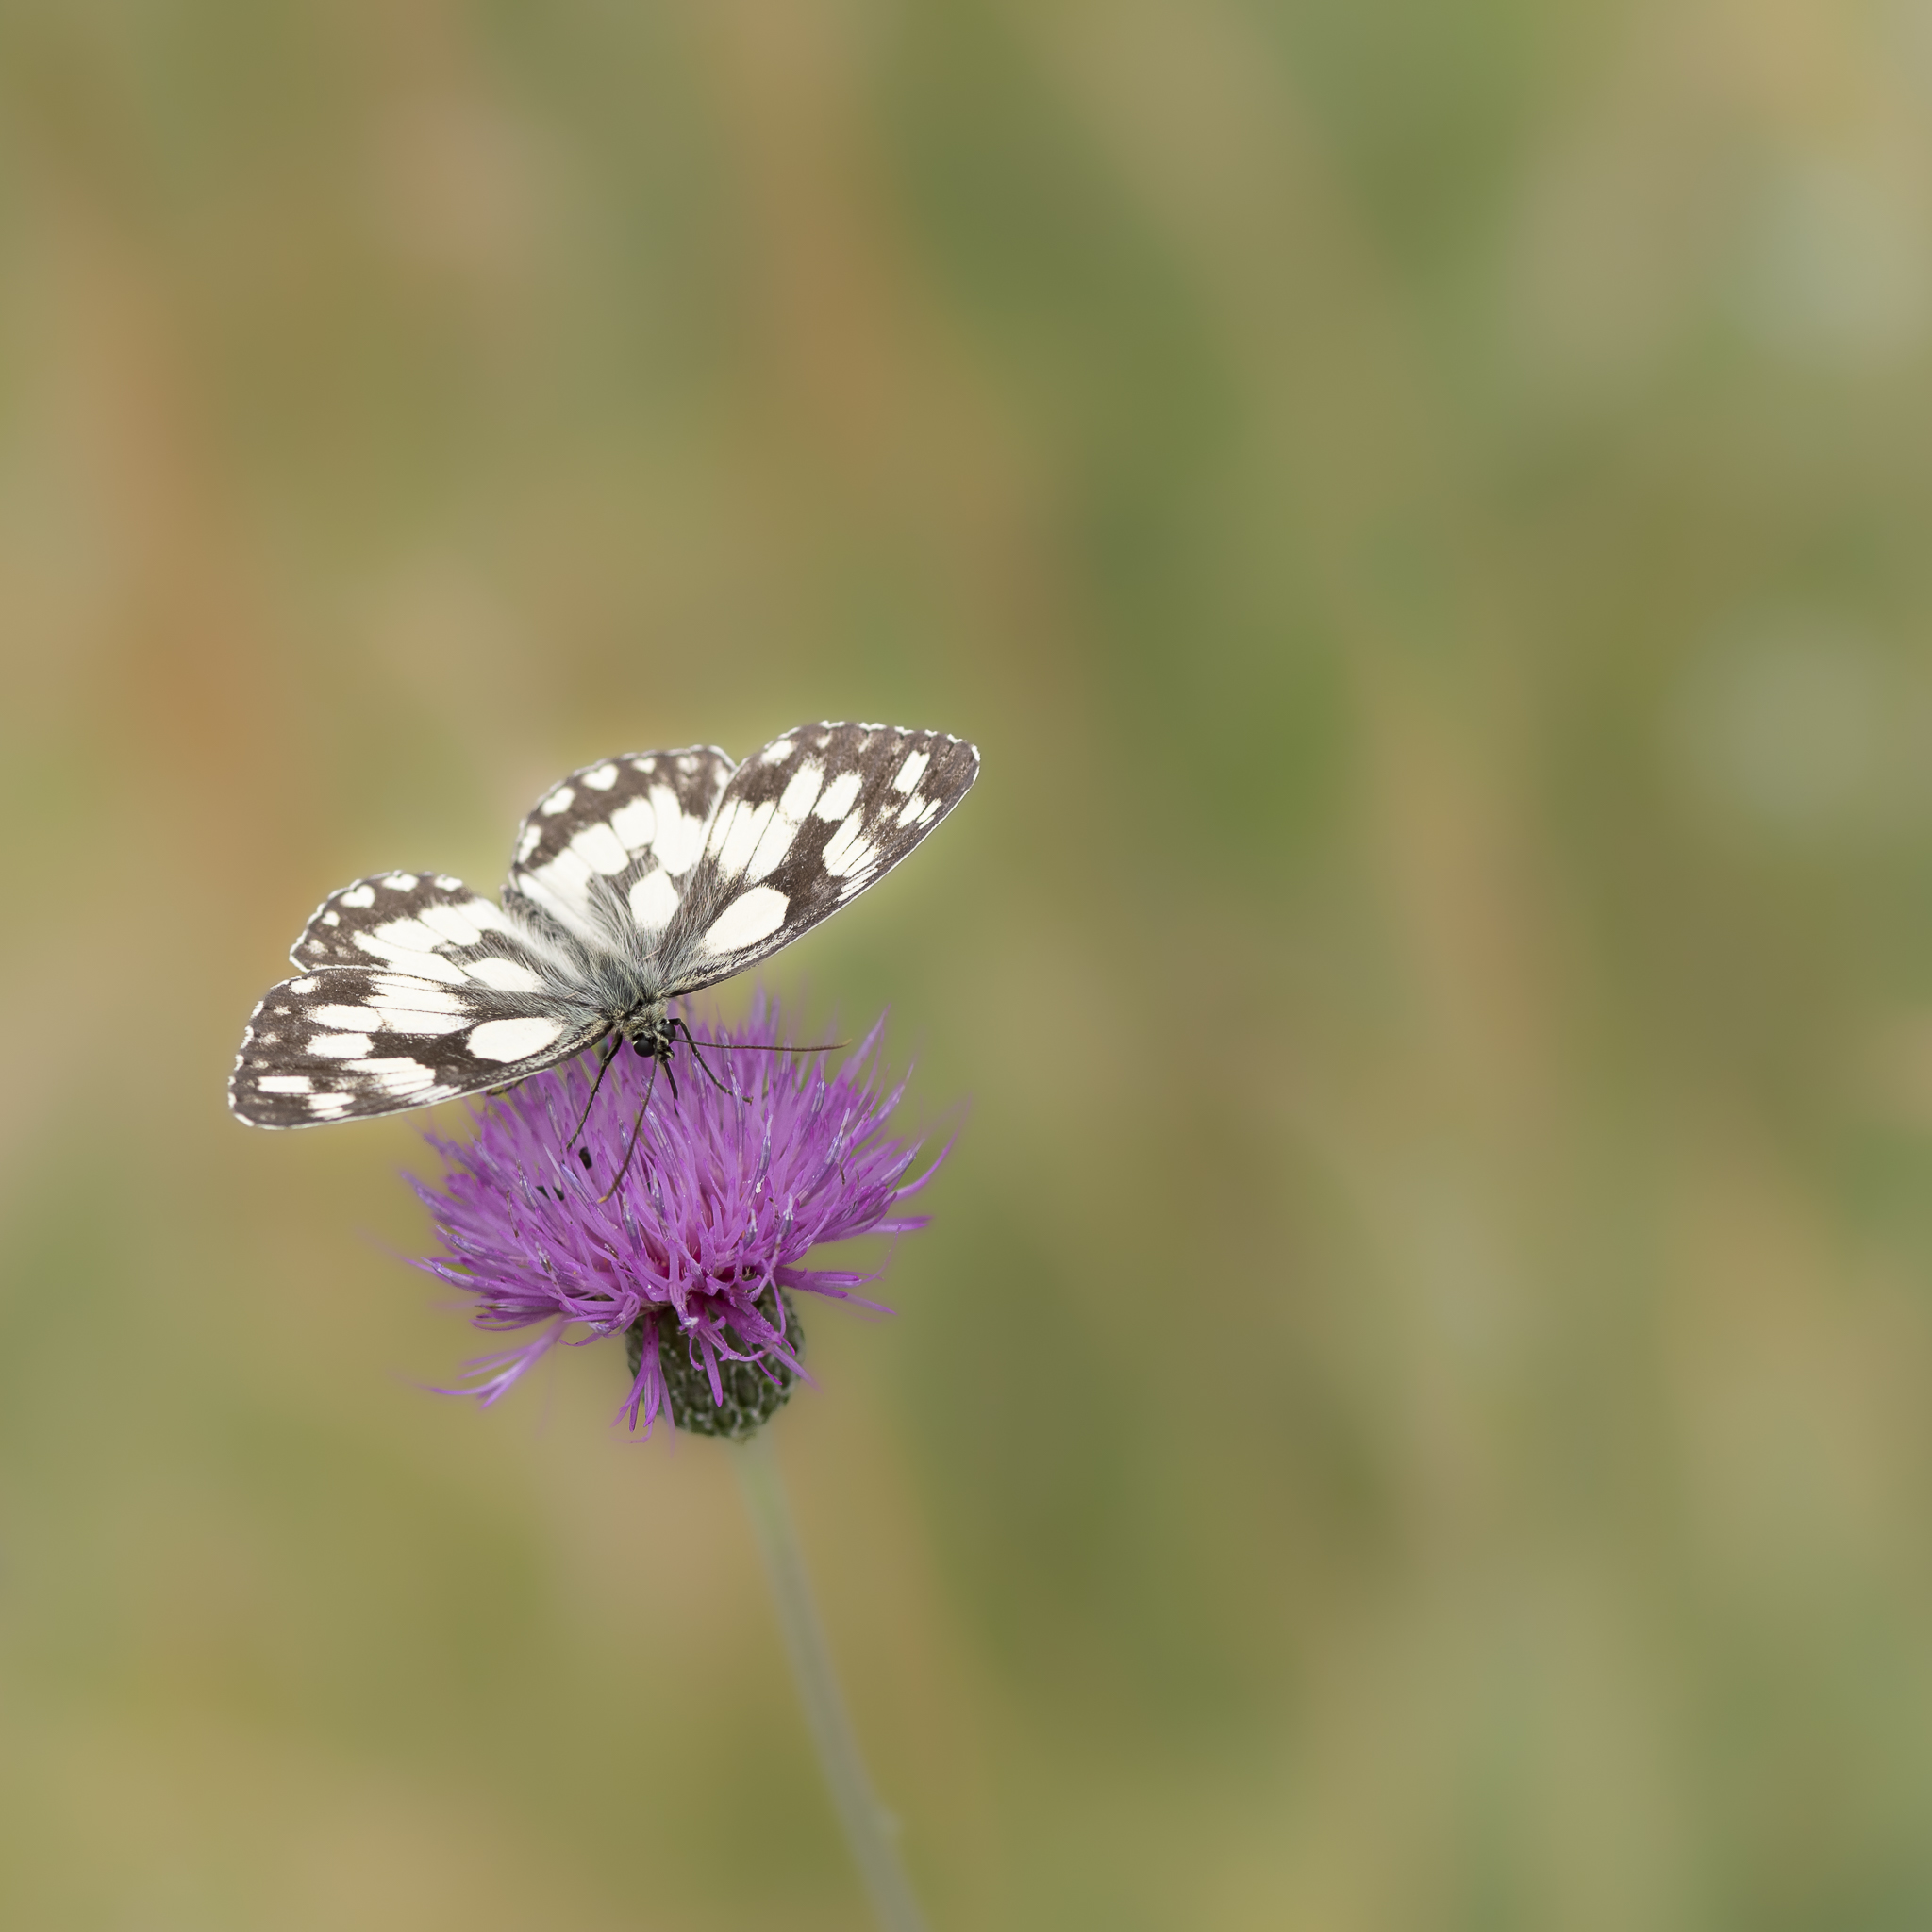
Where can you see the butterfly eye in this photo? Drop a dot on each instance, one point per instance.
(584, 1155)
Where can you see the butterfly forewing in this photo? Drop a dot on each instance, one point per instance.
(801, 829)
(608, 848)
(345, 1041)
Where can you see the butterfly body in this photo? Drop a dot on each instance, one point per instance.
(635, 881)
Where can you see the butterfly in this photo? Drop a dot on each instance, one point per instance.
(635, 881)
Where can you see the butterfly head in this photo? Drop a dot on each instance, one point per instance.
(650, 1030)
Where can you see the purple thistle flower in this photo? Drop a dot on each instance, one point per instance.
(696, 1254)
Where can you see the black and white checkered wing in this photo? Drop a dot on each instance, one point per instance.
(608, 847)
(413, 989)
(802, 827)
(345, 1041)
(424, 924)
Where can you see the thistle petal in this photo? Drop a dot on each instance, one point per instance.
(728, 1193)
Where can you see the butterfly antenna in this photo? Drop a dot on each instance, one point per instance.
(603, 1068)
(759, 1046)
(637, 1127)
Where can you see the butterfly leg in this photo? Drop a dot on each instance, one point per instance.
(603, 1068)
(637, 1127)
(679, 1026)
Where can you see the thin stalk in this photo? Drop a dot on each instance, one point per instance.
(869, 1828)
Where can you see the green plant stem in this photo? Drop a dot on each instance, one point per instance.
(868, 1829)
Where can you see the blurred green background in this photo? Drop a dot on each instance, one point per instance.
(1416, 1411)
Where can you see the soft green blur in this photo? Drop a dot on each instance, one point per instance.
(1416, 1410)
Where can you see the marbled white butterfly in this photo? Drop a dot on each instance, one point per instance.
(636, 880)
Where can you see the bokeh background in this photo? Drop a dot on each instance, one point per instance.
(1417, 1410)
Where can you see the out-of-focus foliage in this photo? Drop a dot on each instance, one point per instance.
(1417, 1411)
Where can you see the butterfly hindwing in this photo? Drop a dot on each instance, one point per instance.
(424, 924)
(802, 827)
(607, 846)
(345, 1041)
